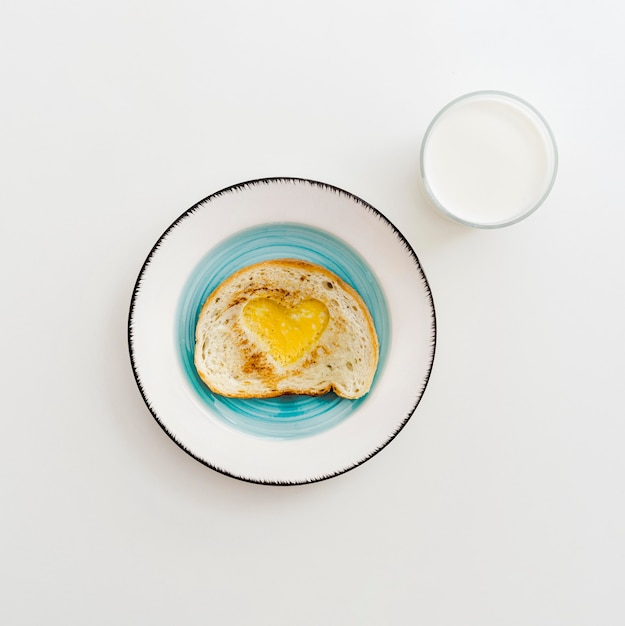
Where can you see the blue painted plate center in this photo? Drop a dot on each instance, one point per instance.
(286, 416)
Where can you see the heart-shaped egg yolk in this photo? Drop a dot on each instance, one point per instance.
(288, 332)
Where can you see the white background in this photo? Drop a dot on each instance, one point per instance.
(500, 503)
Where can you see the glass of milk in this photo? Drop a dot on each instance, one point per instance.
(488, 159)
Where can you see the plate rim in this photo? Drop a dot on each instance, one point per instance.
(268, 181)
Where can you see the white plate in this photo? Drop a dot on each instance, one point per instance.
(292, 439)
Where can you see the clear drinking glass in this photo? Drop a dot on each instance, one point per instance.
(488, 159)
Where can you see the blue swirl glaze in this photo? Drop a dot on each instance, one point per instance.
(285, 416)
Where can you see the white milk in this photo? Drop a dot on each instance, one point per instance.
(488, 158)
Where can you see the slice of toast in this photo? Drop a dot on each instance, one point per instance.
(285, 326)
